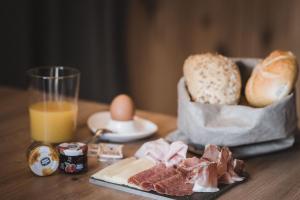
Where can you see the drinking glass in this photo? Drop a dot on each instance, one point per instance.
(53, 105)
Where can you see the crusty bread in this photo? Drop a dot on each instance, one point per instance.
(212, 79)
(272, 79)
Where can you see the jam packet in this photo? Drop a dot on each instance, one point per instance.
(93, 150)
(106, 151)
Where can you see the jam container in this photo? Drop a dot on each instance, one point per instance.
(72, 157)
(42, 159)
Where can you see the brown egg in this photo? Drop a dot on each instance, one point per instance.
(122, 108)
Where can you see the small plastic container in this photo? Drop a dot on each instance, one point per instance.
(42, 159)
(72, 157)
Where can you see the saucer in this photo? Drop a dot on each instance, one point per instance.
(143, 128)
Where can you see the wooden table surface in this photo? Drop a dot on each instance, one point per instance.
(273, 176)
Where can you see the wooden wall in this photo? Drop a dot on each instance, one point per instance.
(163, 33)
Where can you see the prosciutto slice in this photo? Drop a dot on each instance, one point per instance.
(190, 167)
(223, 161)
(164, 180)
(176, 153)
(227, 167)
(161, 151)
(176, 175)
(211, 152)
(238, 166)
(231, 175)
(148, 184)
(207, 179)
(154, 150)
(144, 175)
(174, 185)
(190, 163)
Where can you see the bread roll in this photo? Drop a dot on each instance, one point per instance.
(212, 79)
(272, 79)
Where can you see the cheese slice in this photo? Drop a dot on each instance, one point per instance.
(120, 172)
(131, 169)
(106, 173)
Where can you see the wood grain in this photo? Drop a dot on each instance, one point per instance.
(274, 176)
(161, 34)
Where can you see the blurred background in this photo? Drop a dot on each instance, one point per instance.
(138, 46)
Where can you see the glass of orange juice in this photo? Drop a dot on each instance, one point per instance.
(53, 106)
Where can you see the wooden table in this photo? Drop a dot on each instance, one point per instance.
(274, 176)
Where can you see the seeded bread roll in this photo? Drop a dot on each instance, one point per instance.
(212, 79)
(272, 79)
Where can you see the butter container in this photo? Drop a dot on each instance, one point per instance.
(42, 159)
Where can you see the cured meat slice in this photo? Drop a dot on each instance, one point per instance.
(161, 151)
(175, 186)
(231, 176)
(176, 175)
(137, 179)
(223, 161)
(159, 175)
(190, 167)
(226, 179)
(238, 166)
(221, 156)
(190, 163)
(211, 152)
(207, 179)
(154, 150)
(176, 153)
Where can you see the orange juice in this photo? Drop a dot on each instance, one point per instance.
(53, 121)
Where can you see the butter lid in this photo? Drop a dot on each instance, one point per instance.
(43, 160)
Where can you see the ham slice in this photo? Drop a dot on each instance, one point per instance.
(154, 150)
(146, 179)
(148, 184)
(238, 166)
(137, 179)
(207, 179)
(223, 160)
(201, 173)
(211, 152)
(230, 176)
(174, 185)
(176, 153)
(162, 179)
(161, 151)
(190, 163)
(190, 167)
(227, 167)
(176, 175)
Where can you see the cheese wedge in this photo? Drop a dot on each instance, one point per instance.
(106, 173)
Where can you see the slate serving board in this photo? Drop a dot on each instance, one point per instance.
(155, 195)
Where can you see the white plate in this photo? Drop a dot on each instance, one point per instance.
(100, 120)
